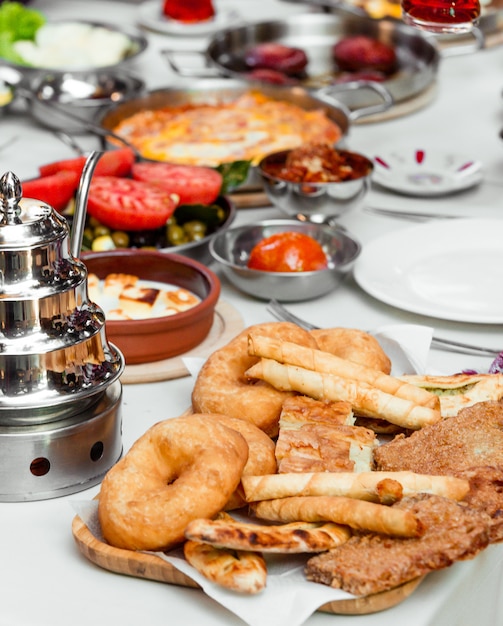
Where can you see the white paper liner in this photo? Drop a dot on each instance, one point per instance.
(288, 599)
(407, 346)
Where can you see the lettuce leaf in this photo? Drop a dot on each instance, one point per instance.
(7, 50)
(234, 174)
(17, 22)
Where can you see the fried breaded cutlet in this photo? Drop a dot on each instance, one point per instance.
(471, 439)
(469, 445)
(371, 563)
(486, 494)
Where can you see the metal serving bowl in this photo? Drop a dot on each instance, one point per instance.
(66, 101)
(314, 202)
(231, 249)
(199, 250)
(138, 44)
(315, 33)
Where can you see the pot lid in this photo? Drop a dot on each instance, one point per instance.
(26, 222)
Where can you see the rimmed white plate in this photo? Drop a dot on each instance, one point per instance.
(450, 269)
(422, 172)
(150, 16)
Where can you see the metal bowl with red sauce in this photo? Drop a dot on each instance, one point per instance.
(232, 249)
(316, 182)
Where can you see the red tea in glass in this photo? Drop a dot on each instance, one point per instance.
(441, 16)
(189, 11)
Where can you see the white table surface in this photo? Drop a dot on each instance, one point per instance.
(45, 580)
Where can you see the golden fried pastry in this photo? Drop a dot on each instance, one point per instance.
(223, 387)
(354, 345)
(181, 469)
(261, 453)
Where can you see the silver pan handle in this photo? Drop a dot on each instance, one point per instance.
(329, 94)
(190, 72)
(475, 41)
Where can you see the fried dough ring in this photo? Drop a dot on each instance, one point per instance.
(222, 387)
(354, 345)
(261, 454)
(181, 469)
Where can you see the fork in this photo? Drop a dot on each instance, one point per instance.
(280, 312)
(409, 215)
(69, 141)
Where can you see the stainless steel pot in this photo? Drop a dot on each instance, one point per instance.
(216, 90)
(226, 90)
(316, 33)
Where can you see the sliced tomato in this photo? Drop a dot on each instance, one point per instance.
(126, 204)
(287, 252)
(56, 190)
(193, 184)
(111, 163)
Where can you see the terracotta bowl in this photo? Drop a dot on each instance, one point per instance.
(143, 341)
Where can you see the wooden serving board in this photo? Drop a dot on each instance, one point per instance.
(250, 199)
(226, 325)
(153, 567)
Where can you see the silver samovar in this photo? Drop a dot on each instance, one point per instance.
(60, 389)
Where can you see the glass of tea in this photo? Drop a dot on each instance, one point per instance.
(189, 11)
(441, 16)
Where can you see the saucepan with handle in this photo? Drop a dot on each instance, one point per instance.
(224, 90)
(417, 55)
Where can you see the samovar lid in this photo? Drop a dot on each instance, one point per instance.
(26, 222)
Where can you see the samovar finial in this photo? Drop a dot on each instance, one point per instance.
(10, 194)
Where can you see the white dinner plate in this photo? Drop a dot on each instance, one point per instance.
(450, 269)
(422, 172)
(150, 16)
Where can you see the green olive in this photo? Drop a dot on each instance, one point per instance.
(101, 230)
(104, 242)
(120, 239)
(176, 235)
(93, 222)
(195, 230)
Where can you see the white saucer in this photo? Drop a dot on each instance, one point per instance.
(449, 269)
(423, 172)
(150, 16)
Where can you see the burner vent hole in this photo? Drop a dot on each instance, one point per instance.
(40, 466)
(97, 451)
